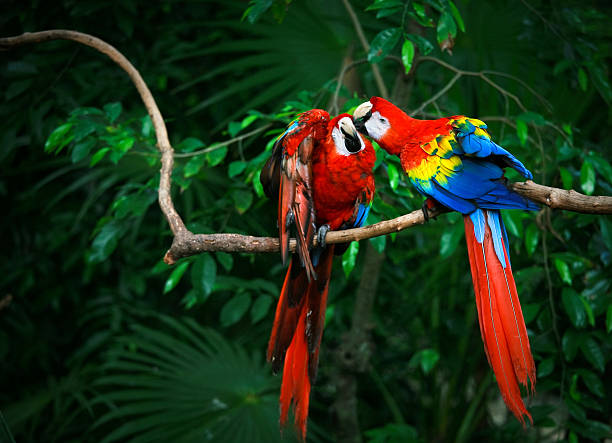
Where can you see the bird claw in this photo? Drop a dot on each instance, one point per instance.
(425, 210)
(321, 234)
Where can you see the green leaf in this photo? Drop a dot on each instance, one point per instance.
(112, 111)
(602, 166)
(587, 177)
(349, 258)
(236, 168)
(105, 242)
(564, 271)
(457, 16)
(383, 43)
(532, 117)
(194, 165)
(532, 236)
(175, 276)
(583, 80)
(383, 4)
(521, 131)
(235, 309)
(513, 222)
(261, 307)
(425, 47)
(393, 176)
(234, 128)
(593, 354)
(98, 156)
(81, 149)
(204, 275)
(588, 310)
(573, 307)
(216, 156)
(546, 367)
(609, 319)
(121, 148)
(593, 383)
(407, 55)
(255, 9)
(571, 342)
(450, 239)
(59, 138)
(573, 390)
(426, 359)
(566, 178)
(226, 260)
(242, 200)
(190, 144)
(446, 31)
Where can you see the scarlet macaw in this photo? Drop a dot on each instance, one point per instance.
(454, 162)
(321, 172)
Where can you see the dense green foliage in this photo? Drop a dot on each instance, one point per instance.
(102, 341)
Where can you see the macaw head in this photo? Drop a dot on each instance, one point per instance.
(383, 121)
(345, 136)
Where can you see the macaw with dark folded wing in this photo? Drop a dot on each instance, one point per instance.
(454, 162)
(321, 173)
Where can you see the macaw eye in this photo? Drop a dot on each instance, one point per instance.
(382, 120)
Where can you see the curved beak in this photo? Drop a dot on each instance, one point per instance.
(352, 140)
(361, 115)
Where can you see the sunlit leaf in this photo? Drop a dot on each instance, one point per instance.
(457, 16)
(393, 175)
(564, 271)
(59, 138)
(587, 177)
(521, 131)
(236, 168)
(407, 55)
(349, 258)
(175, 276)
(216, 156)
(566, 178)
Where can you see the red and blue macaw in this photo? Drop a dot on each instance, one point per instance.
(454, 162)
(321, 172)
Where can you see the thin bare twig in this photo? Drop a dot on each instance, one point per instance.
(219, 145)
(366, 46)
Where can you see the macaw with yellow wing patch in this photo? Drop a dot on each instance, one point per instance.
(321, 173)
(454, 162)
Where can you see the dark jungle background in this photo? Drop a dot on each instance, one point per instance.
(100, 341)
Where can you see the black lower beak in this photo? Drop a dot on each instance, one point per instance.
(360, 123)
(352, 141)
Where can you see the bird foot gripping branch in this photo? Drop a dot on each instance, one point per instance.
(454, 162)
(321, 173)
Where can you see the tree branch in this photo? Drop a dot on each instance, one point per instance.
(163, 143)
(555, 198)
(186, 243)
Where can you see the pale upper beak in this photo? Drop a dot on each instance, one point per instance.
(352, 140)
(362, 110)
(361, 115)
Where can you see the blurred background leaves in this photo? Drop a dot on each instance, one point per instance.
(103, 342)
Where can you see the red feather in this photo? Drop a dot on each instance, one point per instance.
(501, 320)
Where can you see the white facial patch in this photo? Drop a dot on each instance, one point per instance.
(377, 126)
(346, 144)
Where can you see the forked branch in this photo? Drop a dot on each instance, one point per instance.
(186, 243)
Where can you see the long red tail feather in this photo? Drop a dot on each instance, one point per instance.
(501, 320)
(296, 335)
